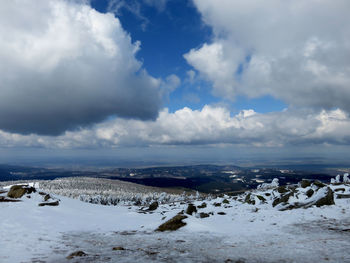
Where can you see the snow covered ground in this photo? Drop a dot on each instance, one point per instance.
(109, 192)
(245, 233)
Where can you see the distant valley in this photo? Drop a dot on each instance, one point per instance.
(202, 178)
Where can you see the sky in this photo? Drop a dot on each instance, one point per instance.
(179, 80)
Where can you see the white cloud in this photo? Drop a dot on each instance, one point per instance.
(136, 7)
(209, 126)
(171, 83)
(297, 51)
(191, 76)
(66, 68)
(65, 65)
(159, 4)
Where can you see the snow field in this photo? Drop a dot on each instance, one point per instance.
(250, 233)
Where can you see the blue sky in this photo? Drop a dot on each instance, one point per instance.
(166, 35)
(175, 79)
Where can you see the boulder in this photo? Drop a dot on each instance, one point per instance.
(343, 196)
(56, 203)
(203, 215)
(225, 201)
(30, 190)
(77, 254)
(4, 199)
(173, 224)
(249, 200)
(309, 192)
(17, 191)
(319, 184)
(327, 200)
(47, 197)
(118, 248)
(191, 209)
(261, 198)
(203, 205)
(153, 206)
(282, 189)
(282, 199)
(293, 206)
(305, 183)
(241, 260)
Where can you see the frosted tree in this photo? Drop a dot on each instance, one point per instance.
(273, 184)
(336, 180)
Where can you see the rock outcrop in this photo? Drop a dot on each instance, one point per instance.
(173, 224)
(17, 191)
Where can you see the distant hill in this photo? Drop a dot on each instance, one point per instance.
(203, 178)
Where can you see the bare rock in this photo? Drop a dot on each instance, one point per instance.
(282, 189)
(319, 184)
(153, 206)
(261, 198)
(249, 200)
(283, 199)
(310, 192)
(4, 199)
(305, 183)
(118, 248)
(56, 203)
(327, 200)
(173, 224)
(203, 205)
(191, 209)
(17, 191)
(343, 196)
(77, 254)
(203, 215)
(47, 197)
(225, 201)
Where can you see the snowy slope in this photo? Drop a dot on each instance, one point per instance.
(245, 233)
(109, 192)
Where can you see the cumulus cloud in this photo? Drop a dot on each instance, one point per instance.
(208, 126)
(297, 51)
(65, 65)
